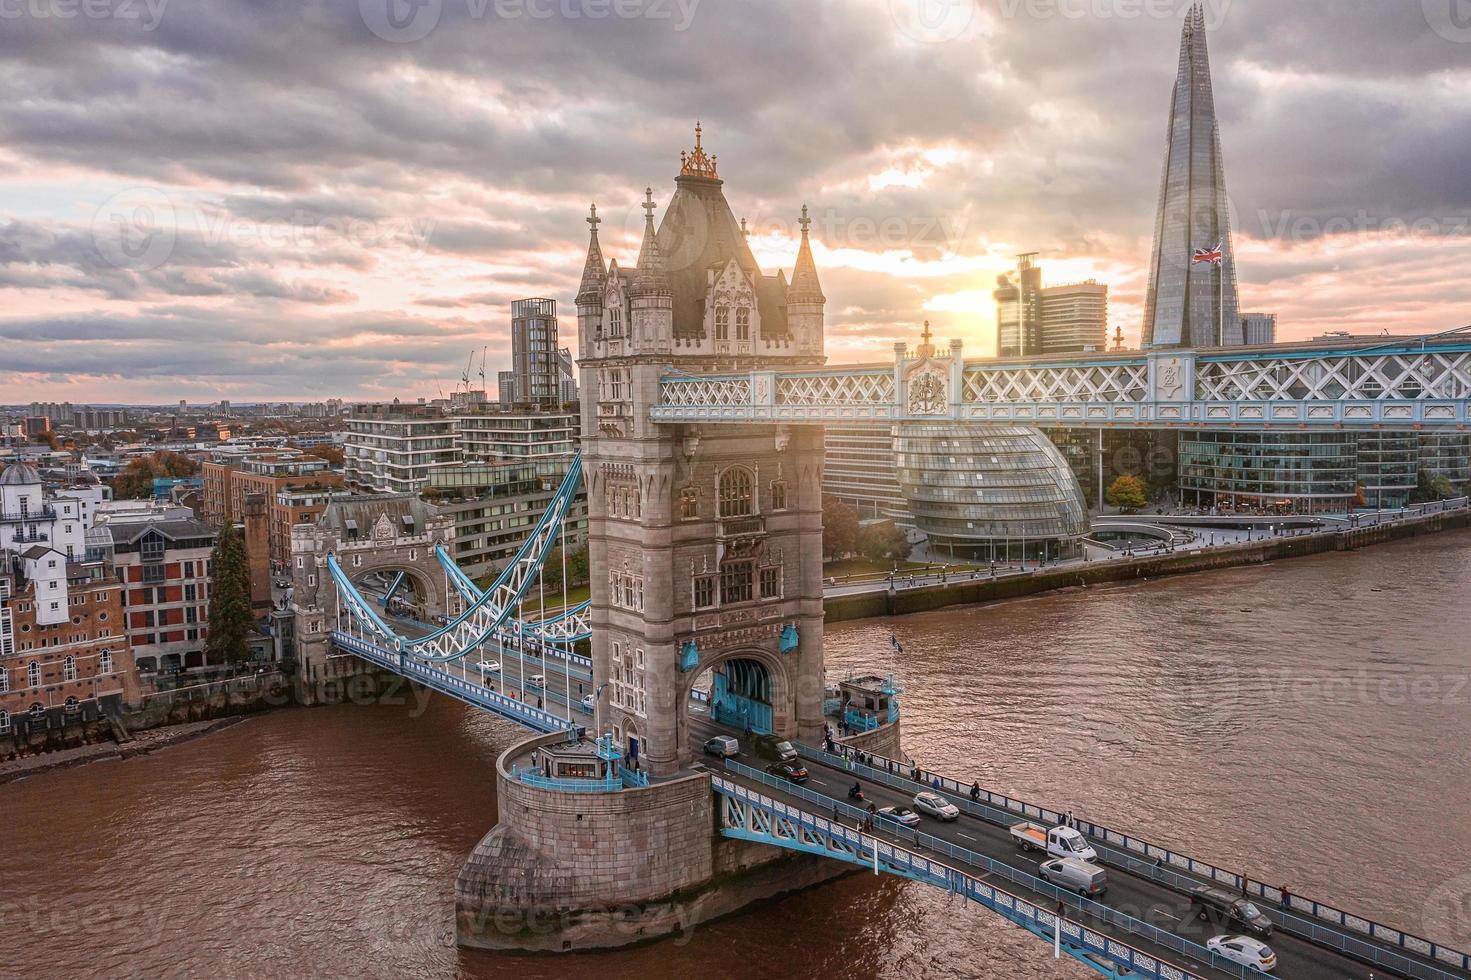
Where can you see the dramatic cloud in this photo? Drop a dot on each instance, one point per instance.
(214, 198)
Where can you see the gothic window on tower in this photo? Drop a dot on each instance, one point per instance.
(689, 503)
(626, 590)
(743, 324)
(735, 581)
(722, 323)
(771, 582)
(615, 323)
(778, 495)
(704, 591)
(736, 492)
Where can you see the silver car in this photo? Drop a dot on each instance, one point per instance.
(1075, 875)
(935, 805)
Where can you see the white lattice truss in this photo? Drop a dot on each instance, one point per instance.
(1045, 385)
(1443, 376)
(1421, 384)
(843, 389)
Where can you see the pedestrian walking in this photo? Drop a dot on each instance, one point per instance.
(1286, 902)
(975, 791)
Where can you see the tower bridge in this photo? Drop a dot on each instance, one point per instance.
(702, 454)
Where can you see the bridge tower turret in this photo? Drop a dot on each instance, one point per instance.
(805, 301)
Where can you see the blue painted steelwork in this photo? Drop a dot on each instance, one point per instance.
(484, 617)
(1167, 866)
(746, 814)
(444, 682)
(789, 638)
(858, 721)
(566, 627)
(530, 777)
(689, 656)
(393, 587)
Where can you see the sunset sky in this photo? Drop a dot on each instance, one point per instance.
(290, 200)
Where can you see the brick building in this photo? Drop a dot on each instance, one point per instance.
(59, 673)
(164, 566)
(296, 488)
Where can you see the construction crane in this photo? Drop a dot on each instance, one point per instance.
(483, 352)
(465, 377)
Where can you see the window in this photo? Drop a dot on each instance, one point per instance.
(615, 322)
(722, 323)
(37, 711)
(689, 504)
(72, 706)
(704, 591)
(735, 492)
(33, 674)
(771, 582)
(104, 662)
(4, 680)
(735, 582)
(778, 495)
(4, 723)
(743, 324)
(69, 668)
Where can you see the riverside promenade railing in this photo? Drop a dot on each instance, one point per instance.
(1163, 864)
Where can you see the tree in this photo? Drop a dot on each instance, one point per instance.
(48, 438)
(1430, 487)
(332, 454)
(1127, 493)
(839, 528)
(883, 540)
(135, 482)
(229, 598)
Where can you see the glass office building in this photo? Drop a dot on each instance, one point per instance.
(1388, 463)
(1304, 472)
(986, 492)
(1447, 455)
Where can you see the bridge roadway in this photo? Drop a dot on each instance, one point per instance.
(1151, 901)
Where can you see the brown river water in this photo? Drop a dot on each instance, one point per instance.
(1308, 721)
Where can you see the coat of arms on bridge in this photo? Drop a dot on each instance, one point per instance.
(926, 382)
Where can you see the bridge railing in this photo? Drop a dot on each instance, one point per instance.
(446, 683)
(1141, 962)
(1161, 864)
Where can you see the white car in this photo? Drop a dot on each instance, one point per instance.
(537, 680)
(1248, 952)
(489, 666)
(935, 805)
(587, 703)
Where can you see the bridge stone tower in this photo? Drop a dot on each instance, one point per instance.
(384, 532)
(705, 541)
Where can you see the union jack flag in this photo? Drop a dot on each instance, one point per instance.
(1211, 255)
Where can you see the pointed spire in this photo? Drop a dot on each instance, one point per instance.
(805, 286)
(650, 275)
(594, 271)
(695, 163)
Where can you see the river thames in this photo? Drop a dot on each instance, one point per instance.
(1307, 721)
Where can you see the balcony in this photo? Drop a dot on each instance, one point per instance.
(32, 537)
(45, 513)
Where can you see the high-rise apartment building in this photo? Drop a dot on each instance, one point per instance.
(1032, 319)
(1260, 329)
(393, 448)
(539, 368)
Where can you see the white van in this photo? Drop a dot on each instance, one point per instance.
(537, 680)
(1082, 877)
(723, 745)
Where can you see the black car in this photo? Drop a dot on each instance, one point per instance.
(1229, 908)
(793, 772)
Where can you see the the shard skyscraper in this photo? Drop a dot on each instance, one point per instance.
(1192, 275)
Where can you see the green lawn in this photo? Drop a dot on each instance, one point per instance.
(554, 599)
